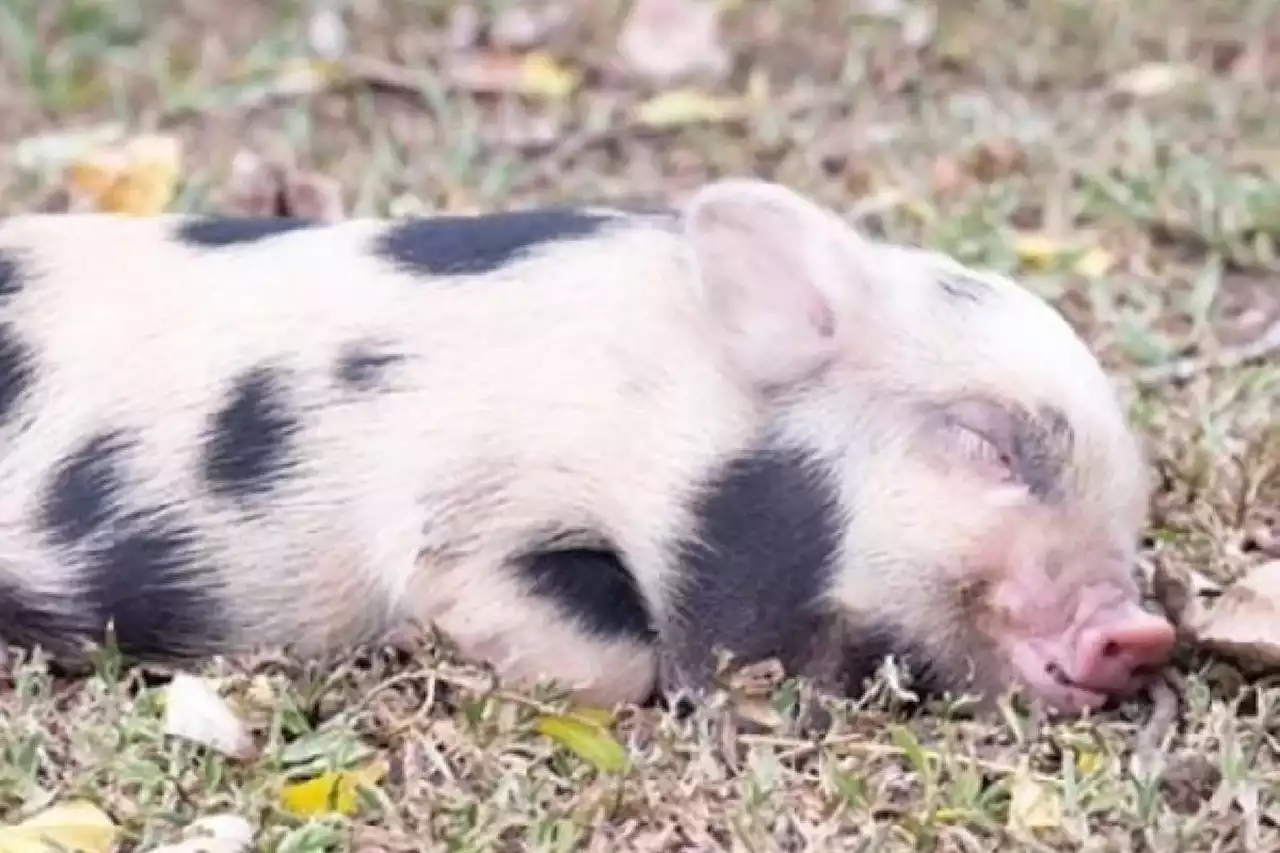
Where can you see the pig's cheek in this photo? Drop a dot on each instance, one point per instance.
(1012, 610)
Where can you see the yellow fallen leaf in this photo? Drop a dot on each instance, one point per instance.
(1037, 251)
(686, 106)
(919, 210)
(77, 825)
(590, 742)
(1094, 263)
(534, 74)
(303, 76)
(1088, 761)
(1033, 804)
(329, 793)
(542, 75)
(601, 717)
(137, 177)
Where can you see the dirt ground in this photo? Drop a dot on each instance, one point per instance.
(1138, 142)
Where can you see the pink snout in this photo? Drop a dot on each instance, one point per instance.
(1118, 648)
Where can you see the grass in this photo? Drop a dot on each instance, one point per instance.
(1007, 119)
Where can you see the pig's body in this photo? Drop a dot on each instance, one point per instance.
(225, 434)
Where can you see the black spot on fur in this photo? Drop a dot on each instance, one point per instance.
(863, 651)
(594, 587)
(17, 371)
(81, 493)
(26, 621)
(363, 365)
(145, 578)
(1043, 446)
(766, 544)
(457, 245)
(10, 277)
(962, 287)
(218, 231)
(247, 445)
(137, 568)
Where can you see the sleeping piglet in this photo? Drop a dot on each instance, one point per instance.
(585, 444)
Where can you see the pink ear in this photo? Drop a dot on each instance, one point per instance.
(772, 267)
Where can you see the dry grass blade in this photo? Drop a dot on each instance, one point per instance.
(1266, 347)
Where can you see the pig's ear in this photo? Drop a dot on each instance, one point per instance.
(775, 271)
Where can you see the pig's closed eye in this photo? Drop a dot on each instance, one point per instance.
(976, 448)
(979, 433)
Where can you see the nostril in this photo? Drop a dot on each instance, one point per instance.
(1115, 652)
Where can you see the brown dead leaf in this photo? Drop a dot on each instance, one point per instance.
(668, 41)
(1244, 623)
(1181, 592)
(996, 158)
(261, 186)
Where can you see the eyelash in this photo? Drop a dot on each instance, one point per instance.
(977, 445)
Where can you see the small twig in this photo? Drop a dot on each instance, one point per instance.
(1164, 714)
(1180, 370)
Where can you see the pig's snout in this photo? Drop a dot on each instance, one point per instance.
(1119, 648)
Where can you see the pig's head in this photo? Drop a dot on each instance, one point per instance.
(994, 495)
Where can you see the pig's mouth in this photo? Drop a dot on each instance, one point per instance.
(1050, 682)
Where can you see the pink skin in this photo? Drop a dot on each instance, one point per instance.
(1076, 658)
